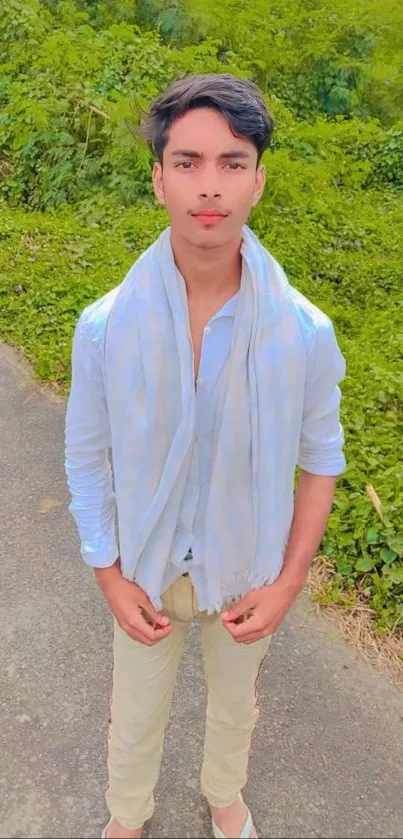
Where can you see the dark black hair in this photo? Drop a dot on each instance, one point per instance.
(239, 100)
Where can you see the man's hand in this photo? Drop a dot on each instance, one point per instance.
(260, 612)
(131, 607)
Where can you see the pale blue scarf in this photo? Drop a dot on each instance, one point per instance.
(149, 381)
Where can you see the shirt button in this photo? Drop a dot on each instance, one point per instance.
(200, 381)
(207, 330)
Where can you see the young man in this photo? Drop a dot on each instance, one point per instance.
(209, 378)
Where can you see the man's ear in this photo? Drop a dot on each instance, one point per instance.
(260, 185)
(158, 183)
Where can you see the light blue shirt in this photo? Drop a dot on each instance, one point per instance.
(214, 355)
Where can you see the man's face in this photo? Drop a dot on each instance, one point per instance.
(207, 169)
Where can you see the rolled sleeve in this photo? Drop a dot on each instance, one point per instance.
(322, 435)
(87, 464)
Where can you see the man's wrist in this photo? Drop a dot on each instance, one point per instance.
(291, 582)
(105, 575)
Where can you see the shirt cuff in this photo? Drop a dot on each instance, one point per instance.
(98, 556)
(327, 467)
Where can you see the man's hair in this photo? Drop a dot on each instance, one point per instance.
(239, 100)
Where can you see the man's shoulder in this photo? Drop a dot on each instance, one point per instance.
(93, 319)
(310, 317)
(309, 312)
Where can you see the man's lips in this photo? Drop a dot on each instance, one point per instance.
(209, 214)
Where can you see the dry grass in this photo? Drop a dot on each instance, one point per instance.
(356, 621)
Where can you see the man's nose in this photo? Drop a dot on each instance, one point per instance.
(209, 193)
(208, 184)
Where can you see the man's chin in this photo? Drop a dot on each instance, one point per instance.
(209, 238)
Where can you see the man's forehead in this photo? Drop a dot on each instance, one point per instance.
(194, 130)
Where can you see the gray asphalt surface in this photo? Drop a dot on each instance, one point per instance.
(327, 758)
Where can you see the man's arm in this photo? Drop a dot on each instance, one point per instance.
(93, 505)
(320, 459)
(312, 506)
(87, 439)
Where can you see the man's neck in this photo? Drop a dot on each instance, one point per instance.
(208, 273)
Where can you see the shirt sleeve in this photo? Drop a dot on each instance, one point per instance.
(322, 434)
(87, 464)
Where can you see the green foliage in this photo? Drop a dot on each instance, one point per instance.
(53, 265)
(77, 205)
(332, 56)
(63, 111)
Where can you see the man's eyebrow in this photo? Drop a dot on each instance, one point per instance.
(231, 155)
(227, 155)
(185, 153)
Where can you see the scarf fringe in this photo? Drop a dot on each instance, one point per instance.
(256, 580)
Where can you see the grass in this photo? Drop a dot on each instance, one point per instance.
(357, 622)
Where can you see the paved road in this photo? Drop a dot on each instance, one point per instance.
(327, 758)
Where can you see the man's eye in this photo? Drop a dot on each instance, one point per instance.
(235, 165)
(186, 164)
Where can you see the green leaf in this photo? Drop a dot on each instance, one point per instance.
(365, 563)
(396, 544)
(394, 573)
(372, 536)
(388, 556)
(344, 567)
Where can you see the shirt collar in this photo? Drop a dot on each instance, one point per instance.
(228, 309)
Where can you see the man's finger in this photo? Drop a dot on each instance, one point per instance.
(156, 617)
(146, 632)
(237, 609)
(243, 630)
(249, 640)
(255, 636)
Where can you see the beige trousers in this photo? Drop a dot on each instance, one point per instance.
(143, 683)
